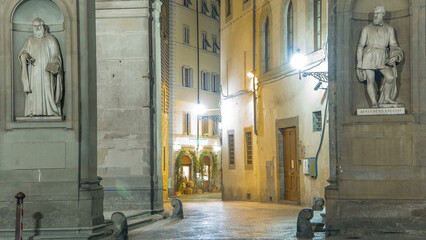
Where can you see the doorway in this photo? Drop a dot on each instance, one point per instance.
(185, 168)
(206, 177)
(287, 147)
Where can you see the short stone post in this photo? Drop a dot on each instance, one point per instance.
(318, 204)
(19, 226)
(304, 227)
(177, 209)
(119, 222)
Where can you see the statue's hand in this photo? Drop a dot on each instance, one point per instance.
(30, 60)
(27, 90)
(361, 74)
(390, 61)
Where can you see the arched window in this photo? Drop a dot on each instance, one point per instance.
(266, 49)
(317, 24)
(290, 35)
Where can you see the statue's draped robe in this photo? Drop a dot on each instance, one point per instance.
(376, 44)
(46, 88)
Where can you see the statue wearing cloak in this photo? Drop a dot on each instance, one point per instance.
(42, 74)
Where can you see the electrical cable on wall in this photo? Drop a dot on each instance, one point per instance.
(322, 137)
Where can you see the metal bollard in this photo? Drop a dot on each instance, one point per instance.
(19, 227)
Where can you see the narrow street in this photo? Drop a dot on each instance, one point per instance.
(210, 218)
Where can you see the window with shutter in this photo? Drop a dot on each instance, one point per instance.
(231, 148)
(249, 150)
(186, 77)
(317, 24)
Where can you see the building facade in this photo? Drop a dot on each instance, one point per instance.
(275, 142)
(194, 82)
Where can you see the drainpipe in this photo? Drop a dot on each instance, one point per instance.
(254, 69)
(198, 75)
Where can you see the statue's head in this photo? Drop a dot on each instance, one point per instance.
(379, 13)
(39, 28)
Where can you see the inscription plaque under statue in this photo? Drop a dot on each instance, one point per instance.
(381, 111)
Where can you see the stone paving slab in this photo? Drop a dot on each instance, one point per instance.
(215, 219)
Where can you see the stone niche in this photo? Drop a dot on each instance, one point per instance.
(377, 163)
(23, 16)
(397, 15)
(53, 162)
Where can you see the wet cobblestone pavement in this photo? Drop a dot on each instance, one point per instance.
(214, 219)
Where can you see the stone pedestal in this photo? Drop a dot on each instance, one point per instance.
(50, 159)
(377, 155)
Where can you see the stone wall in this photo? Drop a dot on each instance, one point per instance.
(124, 132)
(376, 162)
(50, 159)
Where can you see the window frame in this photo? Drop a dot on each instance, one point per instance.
(215, 47)
(215, 12)
(266, 46)
(215, 83)
(205, 43)
(187, 77)
(186, 3)
(228, 9)
(205, 81)
(205, 125)
(317, 21)
(186, 35)
(231, 149)
(186, 130)
(248, 147)
(290, 30)
(204, 8)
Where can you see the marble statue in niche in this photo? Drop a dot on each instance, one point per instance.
(42, 74)
(378, 51)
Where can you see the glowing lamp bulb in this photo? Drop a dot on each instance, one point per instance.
(250, 75)
(298, 61)
(199, 109)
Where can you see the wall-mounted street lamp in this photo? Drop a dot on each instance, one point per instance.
(299, 62)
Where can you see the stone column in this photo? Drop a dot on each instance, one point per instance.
(156, 165)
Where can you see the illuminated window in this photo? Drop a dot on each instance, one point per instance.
(290, 30)
(205, 125)
(317, 24)
(215, 127)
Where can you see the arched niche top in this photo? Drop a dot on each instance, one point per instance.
(363, 9)
(366, 6)
(266, 12)
(47, 10)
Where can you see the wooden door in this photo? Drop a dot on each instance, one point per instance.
(290, 165)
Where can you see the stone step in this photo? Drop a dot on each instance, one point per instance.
(318, 221)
